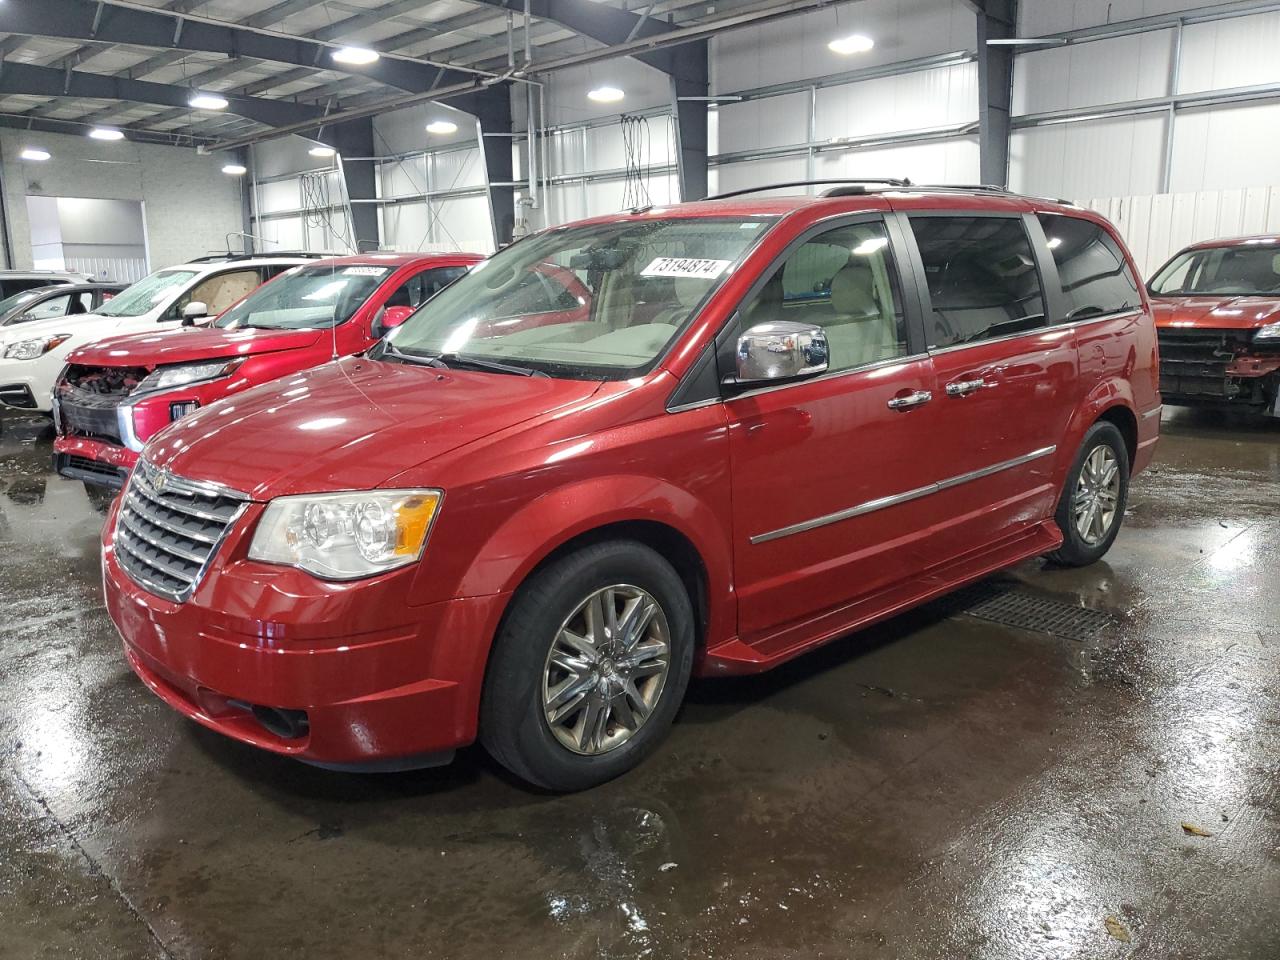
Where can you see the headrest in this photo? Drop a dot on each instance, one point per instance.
(852, 288)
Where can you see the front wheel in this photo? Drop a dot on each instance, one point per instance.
(1093, 499)
(589, 667)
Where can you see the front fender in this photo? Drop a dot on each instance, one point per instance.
(560, 515)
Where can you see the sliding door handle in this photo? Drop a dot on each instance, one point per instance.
(907, 401)
(962, 388)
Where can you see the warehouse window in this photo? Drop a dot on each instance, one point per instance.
(1095, 277)
(982, 276)
(844, 281)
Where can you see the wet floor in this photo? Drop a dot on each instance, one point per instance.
(943, 786)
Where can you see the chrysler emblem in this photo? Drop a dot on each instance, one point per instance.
(160, 481)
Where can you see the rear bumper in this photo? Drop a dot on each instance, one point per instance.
(403, 690)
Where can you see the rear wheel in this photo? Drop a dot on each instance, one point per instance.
(1092, 505)
(589, 667)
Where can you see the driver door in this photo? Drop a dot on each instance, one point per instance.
(828, 473)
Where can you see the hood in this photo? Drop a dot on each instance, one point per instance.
(1216, 313)
(189, 344)
(54, 325)
(350, 425)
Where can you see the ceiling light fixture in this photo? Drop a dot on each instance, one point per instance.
(442, 126)
(207, 101)
(355, 56)
(106, 133)
(235, 170)
(322, 151)
(34, 153)
(854, 43)
(605, 95)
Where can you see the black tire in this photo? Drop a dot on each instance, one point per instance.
(1076, 550)
(514, 727)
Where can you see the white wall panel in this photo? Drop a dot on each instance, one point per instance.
(1087, 74)
(755, 173)
(914, 101)
(463, 223)
(566, 90)
(796, 48)
(278, 195)
(1037, 17)
(403, 178)
(1239, 52)
(954, 160)
(282, 234)
(1157, 227)
(453, 169)
(1114, 157)
(1228, 146)
(770, 122)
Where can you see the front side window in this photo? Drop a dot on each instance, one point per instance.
(147, 294)
(1244, 271)
(220, 291)
(592, 301)
(844, 281)
(421, 287)
(982, 277)
(46, 309)
(307, 298)
(1095, 277)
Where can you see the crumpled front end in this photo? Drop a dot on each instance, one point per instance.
(1207, 367)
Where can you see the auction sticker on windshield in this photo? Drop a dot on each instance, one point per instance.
(685, 267)
(365, 271)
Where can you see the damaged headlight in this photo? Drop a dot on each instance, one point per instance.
(346, 536)
(1270, 332)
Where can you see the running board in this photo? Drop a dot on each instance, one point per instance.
(733, 657)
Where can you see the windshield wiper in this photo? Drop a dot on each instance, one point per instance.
(456, 360)
(417, 359)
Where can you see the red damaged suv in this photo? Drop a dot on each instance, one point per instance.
(1217, 308)
(117, 393)
(772, 422)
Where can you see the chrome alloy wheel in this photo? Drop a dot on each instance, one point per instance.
(1097, 495)
(606, 669)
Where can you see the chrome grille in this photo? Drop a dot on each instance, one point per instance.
(169, 528)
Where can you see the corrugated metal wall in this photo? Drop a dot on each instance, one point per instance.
(1156, 227)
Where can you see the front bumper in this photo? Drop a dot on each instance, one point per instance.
(381, 682)
(93, 461)
(22, 391)
(1217, 368)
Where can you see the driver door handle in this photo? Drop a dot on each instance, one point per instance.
(910, 400)
(962, 388)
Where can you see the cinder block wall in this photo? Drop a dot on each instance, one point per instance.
(188, 203)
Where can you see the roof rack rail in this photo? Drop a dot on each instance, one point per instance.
(842, 182)
(231, 257)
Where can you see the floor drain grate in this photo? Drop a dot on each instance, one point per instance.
(1012, 607)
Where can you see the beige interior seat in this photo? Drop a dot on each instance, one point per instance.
(860, 331)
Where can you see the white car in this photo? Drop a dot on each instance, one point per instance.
(33, 354)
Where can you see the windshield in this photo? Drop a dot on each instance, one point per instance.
(1249, 271)
(598, 301)
(18, 299)
(147, 294)
(307, 298)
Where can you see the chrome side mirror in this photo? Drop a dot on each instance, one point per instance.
(781, 350)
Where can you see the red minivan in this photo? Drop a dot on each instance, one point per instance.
(117, 393)
(772, 422)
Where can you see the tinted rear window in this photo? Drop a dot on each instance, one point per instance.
(982, 278)
(1095, 278)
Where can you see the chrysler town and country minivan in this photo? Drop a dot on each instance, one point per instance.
(771, 422)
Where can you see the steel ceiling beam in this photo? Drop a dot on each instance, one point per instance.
(76, 127)
(29, 80)
(120, 23)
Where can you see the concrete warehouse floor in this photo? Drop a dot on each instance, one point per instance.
(942, 786)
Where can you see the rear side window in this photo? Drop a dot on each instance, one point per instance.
(982, 277)
(1095, 277)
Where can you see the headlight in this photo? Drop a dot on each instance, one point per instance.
(345, 536)
(31, 349)
(1270, 332)
(181, 375)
